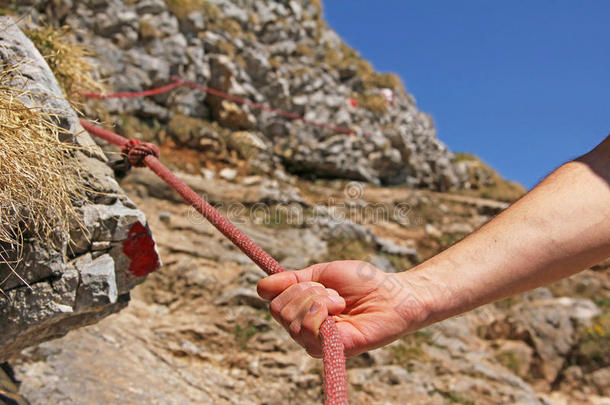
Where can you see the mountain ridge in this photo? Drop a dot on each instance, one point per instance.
(281, 54)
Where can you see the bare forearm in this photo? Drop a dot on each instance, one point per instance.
(559, 228)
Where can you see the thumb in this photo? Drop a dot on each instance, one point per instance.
(270, 287)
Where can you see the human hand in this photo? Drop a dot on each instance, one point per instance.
(371, 308)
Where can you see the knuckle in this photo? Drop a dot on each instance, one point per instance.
(312, 288)
(312, 284)
(304, 285)
(308, 325)
(295, 330)
(286, 314)
(275, 307)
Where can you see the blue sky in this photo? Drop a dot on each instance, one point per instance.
(525, 85)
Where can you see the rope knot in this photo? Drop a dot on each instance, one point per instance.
(135, 151)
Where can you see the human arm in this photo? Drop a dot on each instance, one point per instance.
(559, 228)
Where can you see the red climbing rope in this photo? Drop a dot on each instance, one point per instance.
(178, 82)
(141, 154)
(145, 93)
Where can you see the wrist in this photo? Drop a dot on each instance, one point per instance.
(417, 301)
(446, 286)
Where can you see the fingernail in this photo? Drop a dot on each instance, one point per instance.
(314, 308)
(332, 292)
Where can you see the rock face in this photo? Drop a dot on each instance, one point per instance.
(89, 276)
(197, 333)
(278, 53)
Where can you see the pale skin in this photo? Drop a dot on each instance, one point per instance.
(559, 228)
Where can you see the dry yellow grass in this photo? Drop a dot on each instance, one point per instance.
(182, 8)
(346, 56)
(304, 50)
(68, 61)
(372, 102)
(39, 178)
(384, 80)
(148, 30)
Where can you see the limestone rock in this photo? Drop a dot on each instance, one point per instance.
(74, 282)
(241, 296)
(276, 54)
(197, 332)
(548, 325)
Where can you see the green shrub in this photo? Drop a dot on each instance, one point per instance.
(448, 239)
(454, 397)
(593, 348)
(410, 347)
(244, 334)
(349, 249)
(508, 360)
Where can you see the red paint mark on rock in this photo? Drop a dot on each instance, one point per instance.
(139, 247)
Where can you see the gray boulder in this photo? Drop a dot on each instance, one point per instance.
(85, 276)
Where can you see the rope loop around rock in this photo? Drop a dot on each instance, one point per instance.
(135, 151)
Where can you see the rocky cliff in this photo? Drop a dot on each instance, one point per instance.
(49, 288)
(196, 332)
(277, 53)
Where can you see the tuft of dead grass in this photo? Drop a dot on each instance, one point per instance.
(68, 61)
(39, 177)
(346, 56)
(182, 8)
(372, 102)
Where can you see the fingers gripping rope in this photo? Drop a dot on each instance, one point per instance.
(141, 154)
